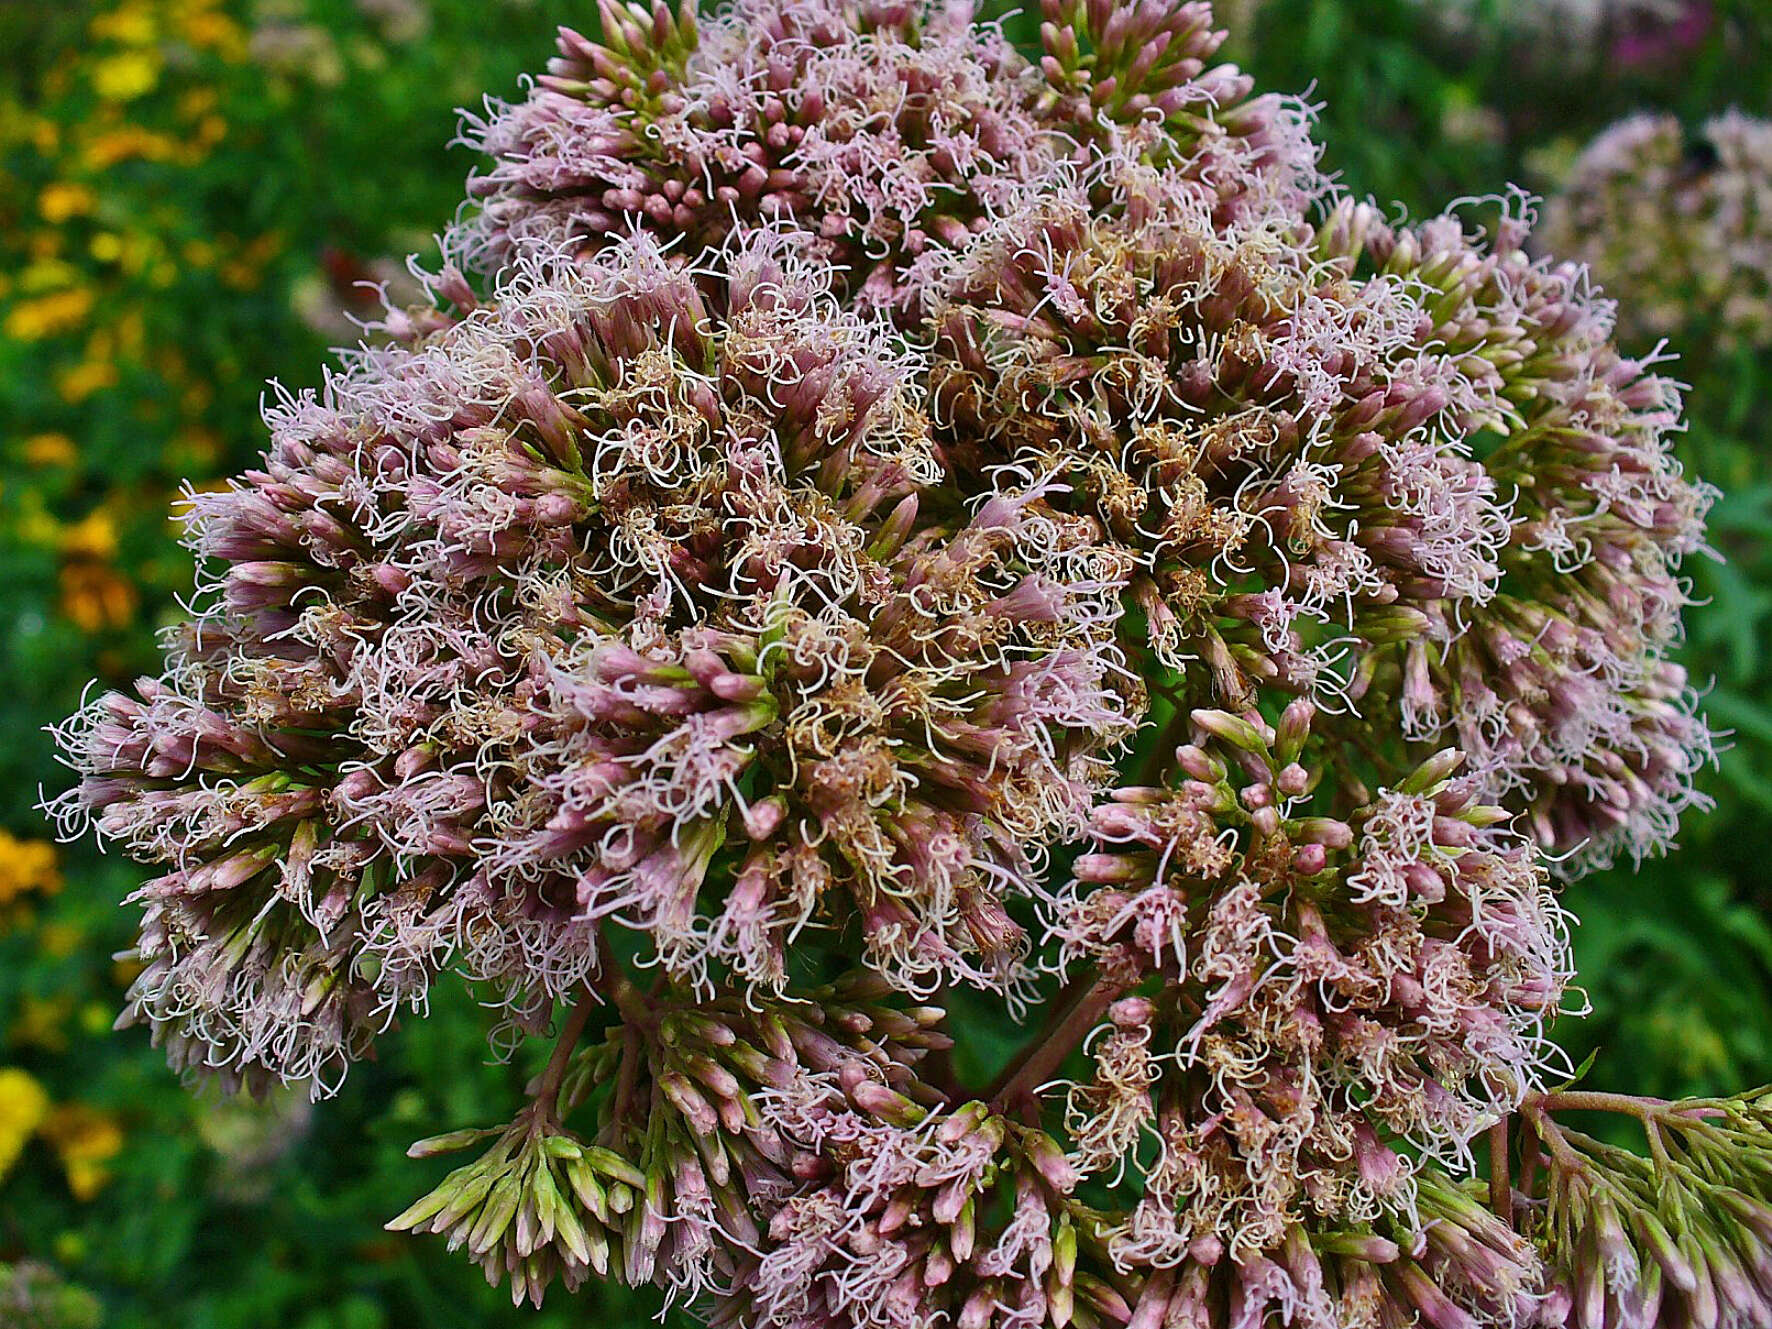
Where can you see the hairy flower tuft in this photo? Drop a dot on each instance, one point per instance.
(871, 523)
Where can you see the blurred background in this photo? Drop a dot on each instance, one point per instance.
(192, 192)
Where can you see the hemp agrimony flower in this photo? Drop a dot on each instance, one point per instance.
(888, 131)
(1581, 35)
(900, 523)
(1680, 229)
(614, 598)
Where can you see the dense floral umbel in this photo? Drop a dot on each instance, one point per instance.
(888, 130)
(878, 458)
(1270, 439)
(1414, 482)
(1678, 227)
(631, 583)
(1559, 689)
(1336, 997)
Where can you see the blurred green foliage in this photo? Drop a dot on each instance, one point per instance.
(188, 190)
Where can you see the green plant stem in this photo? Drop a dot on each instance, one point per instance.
(628, 1074)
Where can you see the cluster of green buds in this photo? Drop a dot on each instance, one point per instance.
(1677, 1236)
(540, 1204)
(682, 1105)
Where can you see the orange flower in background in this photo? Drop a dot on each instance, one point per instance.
(93, 593)
(202, 24)
(49, 449)
(85, 1139)
(111, 146)
(97, 598)
(26, 867)
(246, 268)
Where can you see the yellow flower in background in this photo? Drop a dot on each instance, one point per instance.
(49, 315)
(127, 25)
(196, 448)
(61, 200)
(50, 449)
(127, 75)
(61, 939)
(86, 1139)
(23, 1106)
(94, 536)
(77, 383)
(43, 1022)
(35, 524)
(26, 866)
(47, 274)
(96, 1018)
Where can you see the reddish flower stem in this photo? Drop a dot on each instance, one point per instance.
(1583, 1100)
(547, 1087)
(1501, 1184)
(1044, 1057)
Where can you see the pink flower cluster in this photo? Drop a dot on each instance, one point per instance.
(890, 131)
(1679, 226)
(1333, 999)
(611, 599)
(895, 520)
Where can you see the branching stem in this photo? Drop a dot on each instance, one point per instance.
(547, 1088)
(1043, 1057)
(1584, 1100)
(1501, 1184)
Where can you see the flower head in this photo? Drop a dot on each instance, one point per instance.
(1336, 1001)
(1678, 228)
(633, 595)
(886, 130)
(881, 475)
